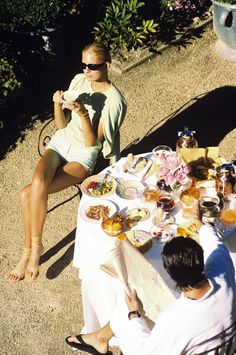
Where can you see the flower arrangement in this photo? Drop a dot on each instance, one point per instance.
(174, 171)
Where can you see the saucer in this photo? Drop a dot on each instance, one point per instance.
(69, 96)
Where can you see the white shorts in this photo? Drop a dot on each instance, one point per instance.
(85, 156)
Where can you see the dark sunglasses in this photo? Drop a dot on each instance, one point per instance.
(92, 66)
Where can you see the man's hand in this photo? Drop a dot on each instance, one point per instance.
(132, 301)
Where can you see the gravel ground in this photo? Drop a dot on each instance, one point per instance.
(186, 85)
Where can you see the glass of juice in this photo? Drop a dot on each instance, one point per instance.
(228, 216)
(151, 193)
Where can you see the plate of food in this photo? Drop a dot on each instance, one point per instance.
(134, 164)
(138, 214)
(188, 230)
(130, 189)
(139, 239)
(162, 233)
(98, 186)
(94, 211)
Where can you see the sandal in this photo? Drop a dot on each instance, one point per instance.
(83, 346)
(32, 273)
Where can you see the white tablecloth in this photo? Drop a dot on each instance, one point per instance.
(93, 248)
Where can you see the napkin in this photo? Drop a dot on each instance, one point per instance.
(202, 161)
(133, 270)
(201, 155)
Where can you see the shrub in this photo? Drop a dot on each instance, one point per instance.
(15, 14)
(123, 26)
(9, 83)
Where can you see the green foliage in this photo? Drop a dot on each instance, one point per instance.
(231, 2)
(16, 14)
(9, 83)
(123, 26)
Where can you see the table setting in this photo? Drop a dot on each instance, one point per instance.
(129, 210)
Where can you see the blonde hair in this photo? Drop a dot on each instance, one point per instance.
(100, 50)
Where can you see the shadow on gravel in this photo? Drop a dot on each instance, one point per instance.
(211, 115)
(56, 268)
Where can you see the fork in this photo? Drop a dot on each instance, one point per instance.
(219, 227)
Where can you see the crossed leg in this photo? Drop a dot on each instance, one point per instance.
(97, 340)
(49, 177)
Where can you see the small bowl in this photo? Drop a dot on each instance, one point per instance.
(130, 189)
(161, 234)
(112, 232)
(161, 150)
(69, 96)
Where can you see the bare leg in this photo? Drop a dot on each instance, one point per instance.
(99, 339)
(49, 177)
(18, 273)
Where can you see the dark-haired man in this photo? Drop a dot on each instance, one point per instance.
(207, 305)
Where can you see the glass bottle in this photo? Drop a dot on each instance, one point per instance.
(225, 181)
(186, 139)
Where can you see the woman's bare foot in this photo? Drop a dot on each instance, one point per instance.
(32, 269)
(92, 339)
(18, 273)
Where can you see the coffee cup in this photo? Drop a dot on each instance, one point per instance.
(209, 207)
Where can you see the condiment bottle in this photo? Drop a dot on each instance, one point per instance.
(186, 139)
(225, 180)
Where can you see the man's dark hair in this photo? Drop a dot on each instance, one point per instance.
(183, 260)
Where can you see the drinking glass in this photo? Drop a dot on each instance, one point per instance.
(161, 150)
(187, 204)
(166, 201)
(151, 193)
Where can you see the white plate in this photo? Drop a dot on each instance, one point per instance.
(166, 233)
(141, 240)
(130, 189)
(69, 96)
(128, 166)
(98, 179)
(138, 214)
(111, 205)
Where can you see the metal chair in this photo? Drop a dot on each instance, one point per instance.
(227, 343)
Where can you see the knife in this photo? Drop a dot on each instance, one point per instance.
(148, 167)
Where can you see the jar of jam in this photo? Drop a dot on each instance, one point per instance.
(186, 139)
(225, 181)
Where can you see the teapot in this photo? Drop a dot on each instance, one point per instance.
(225, 180)
(186, 139)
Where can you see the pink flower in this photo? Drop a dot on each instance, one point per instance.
(181, 177)
(170, 179)
(164, 170)
(173, 170)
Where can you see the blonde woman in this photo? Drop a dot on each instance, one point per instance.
(85, 127)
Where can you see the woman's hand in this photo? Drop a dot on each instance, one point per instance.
(77, 106)
(132, 301)
(57, 97)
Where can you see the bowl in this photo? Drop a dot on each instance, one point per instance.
(140, 239)
(97, 186)
(161, 234)
(161, 150)
(130, 189)
(70, 96)
(113, 226)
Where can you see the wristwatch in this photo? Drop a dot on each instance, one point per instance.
(134, 312)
